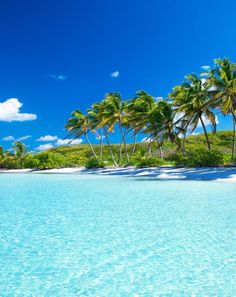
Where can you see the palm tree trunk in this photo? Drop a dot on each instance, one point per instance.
(110, 148)
(149, 148)
(205, 132)
(234, 136)
(123, 134)
(126, 151)
(160, 150)
(101, 143)
(134, 145)
(121, 143)
(91, 147)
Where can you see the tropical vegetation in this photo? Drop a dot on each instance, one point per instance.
(166, 125)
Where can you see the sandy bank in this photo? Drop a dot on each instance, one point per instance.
(162, 173)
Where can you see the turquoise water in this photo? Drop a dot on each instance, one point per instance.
(77, 235)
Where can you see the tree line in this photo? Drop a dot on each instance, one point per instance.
(172, 119)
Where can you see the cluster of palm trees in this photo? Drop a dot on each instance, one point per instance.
(198, 98)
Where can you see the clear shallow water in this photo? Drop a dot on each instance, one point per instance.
(75, 235)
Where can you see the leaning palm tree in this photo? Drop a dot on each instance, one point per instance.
(162, 124)
(192, 99)
(223, 81)
(137, 113)
(94, 116)
(19, 149)
(97, 112)
(79, 125)
(113, 113)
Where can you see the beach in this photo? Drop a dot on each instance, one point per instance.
(161, 173)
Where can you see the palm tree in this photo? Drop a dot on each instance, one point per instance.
(1, 151)
(97, 115)
(193, 100)
(113, 113)
(162, 125)
(94, 116)
(79, 125)
(137, 113)
(19, 149)
(223, 81)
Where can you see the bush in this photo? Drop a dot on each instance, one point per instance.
(47, 160)
(10, 162)
(149, 162)
(198, 158)
(30, 161)
(94, 163)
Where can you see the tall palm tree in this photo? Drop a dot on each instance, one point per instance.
(162, 125)
(79, 125)
(223, 80)
(94, 116)
(137, 113)
(113, 114)
(193, 100)
(19, 149)
(98, 112)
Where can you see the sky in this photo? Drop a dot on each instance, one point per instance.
(57, 56)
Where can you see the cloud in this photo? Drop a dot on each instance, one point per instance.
(24, 137)
(147, 139)
(158, 98)
(206, 67)
(10, 111)
(178, 116)
(58, 76)
(99, 137)
(61, 142)
(195, 133)
(12, 138)
(44, 147)
(206, 121)
(47, 138)
(8, 138)
(115, 74)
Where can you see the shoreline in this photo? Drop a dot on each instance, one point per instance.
(160, 173)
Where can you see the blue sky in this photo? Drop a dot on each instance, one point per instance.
(56, 56)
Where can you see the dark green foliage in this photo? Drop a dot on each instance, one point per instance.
(94, 163)
(47, 160)
(149, 162)
(200, 157)
(80, 155)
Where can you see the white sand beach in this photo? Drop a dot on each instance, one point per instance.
(161, 173)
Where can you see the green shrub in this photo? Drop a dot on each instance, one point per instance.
(94, 163)
(198, 158)
(30, 161)
(149, 162)
(47, 160)
(10, 162)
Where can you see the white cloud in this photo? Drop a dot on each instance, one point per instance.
(47, 138)
(61, 142)
(10, 111)
(178, 116)
(206, 121)
(44, 147)
(8, 138)
(115, 74)
(58, 76)
(195, 133)
(24, 137)
(158, 98)
(12, 138)
(147, 139)
(206, 67)
(99, 137)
